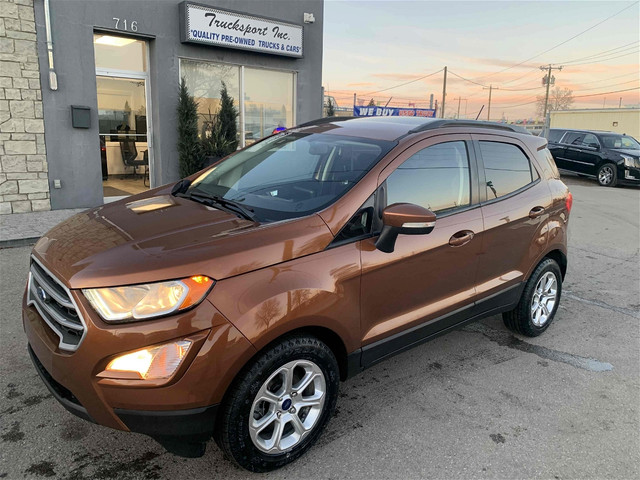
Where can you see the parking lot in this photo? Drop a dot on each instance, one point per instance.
(479, 402)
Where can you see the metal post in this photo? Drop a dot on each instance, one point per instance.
(444, 90)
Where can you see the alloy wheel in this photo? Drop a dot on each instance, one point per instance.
(287, 406)
(544, 299)
(606, 175)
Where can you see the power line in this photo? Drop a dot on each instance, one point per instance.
(466, 79)
(606, 93)
(603, 59)
(606, 86)
(402, 84)
(561, 43)
(621, 48)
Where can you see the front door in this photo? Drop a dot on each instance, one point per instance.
(123, 121)
(431, 276)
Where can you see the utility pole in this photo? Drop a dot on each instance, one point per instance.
(444, 90)
(465, 105)
(490, 88)
(548, 80)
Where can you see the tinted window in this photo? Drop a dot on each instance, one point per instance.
(573, 138)
(436, 178)
(555, 135)
(620, 141)
(589, 140)
(506, 168)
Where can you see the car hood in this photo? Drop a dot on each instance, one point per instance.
(155, 236)
(628, 151)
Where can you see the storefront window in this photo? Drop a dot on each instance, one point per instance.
(204, 80)
(268, 96)
(268, 101)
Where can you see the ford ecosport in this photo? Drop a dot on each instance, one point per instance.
(231, 303)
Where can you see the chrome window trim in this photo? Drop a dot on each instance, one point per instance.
(30, 301)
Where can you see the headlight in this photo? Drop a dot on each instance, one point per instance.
(149, 363)
(629, 161)
(139, 302)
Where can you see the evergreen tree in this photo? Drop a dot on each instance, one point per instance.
(227, 121)
(189, 154)
(330, 111)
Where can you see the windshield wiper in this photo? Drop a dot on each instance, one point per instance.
(229, 205)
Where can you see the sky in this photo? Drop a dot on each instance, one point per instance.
(374, 45)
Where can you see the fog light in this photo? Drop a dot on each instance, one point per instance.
(149, 363)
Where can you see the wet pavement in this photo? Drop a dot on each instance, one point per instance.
(480, 402)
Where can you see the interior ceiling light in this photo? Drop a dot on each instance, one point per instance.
(114, 41)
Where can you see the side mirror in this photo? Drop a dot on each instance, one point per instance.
(405, 218)
(595, 146)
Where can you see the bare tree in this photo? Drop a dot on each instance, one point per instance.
(559, 99)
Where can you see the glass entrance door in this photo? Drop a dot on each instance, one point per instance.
(124, 129)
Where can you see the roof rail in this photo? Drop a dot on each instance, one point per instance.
(468, 123)
(321, 121)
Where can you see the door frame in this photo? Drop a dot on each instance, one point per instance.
(136, 75)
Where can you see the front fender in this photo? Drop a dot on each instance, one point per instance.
(319, 290)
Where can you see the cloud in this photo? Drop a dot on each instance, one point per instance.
(361, 84)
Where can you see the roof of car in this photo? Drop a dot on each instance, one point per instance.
(394, 128)
(581, 130)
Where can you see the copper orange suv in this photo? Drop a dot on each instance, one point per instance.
(232, 303)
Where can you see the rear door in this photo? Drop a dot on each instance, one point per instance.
(574, 160)
(428, 278)
(589, 155)
(515, 207)
(557, 148)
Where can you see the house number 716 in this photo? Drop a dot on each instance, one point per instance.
(121, 24)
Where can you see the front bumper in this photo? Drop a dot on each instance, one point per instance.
(183, 407)
(630, 176)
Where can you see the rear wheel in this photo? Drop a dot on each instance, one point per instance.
(539, 301)
(279, 405)
(607, 175)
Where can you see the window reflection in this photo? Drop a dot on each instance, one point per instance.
(506, 168)
(268, 102)
(204, 80)
(436, 178)
(120, 53)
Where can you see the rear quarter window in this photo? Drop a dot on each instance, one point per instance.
(545, 157)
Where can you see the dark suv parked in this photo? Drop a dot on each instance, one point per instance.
(610, 157)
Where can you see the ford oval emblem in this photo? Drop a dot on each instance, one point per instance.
(42, 295)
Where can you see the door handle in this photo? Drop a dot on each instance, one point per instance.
(460, 238)
(536, 212)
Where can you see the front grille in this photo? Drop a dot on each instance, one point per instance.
(55, 305)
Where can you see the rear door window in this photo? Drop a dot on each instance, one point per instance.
(506, 168)
(573, 138)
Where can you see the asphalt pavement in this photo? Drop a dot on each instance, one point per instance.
(480, 402)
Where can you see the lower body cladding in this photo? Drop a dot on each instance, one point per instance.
(179, 413)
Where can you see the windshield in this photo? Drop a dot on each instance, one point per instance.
(292, 174)
(620, 141)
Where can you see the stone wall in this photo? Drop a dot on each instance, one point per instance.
(24, 184)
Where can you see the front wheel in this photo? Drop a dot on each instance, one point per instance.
(607, 175)
(539, 301)
(278, 406)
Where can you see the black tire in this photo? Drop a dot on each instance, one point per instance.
(609, 180)
(519, 319)
(232, 430)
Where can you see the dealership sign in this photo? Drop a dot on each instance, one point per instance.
(224, 28)
(392, 112)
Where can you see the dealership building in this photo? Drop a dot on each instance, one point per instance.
(89, 88)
